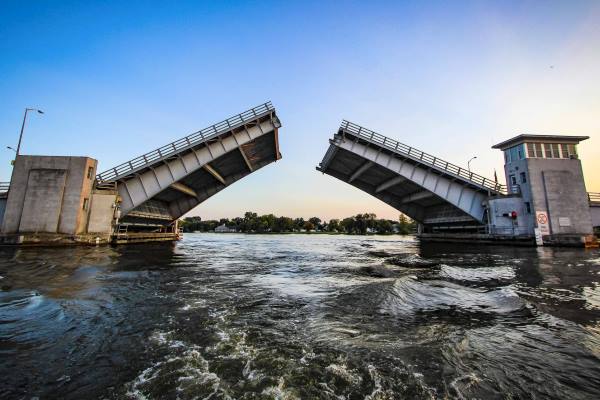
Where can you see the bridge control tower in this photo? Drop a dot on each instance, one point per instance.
(545, 172)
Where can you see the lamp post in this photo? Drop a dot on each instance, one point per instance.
(23, 127)
(469, 163)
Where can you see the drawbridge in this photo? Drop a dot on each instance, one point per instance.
(158, 187)
(432, 191)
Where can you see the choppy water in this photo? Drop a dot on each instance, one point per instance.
(299, 316)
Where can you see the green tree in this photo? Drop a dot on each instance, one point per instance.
(308, 226)
(316, 221)
(347, 225)
(298, 224)
(383, 226)
(406, 225)
(333, 225)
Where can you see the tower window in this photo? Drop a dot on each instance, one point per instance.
(523, 177)
(528, 207)
(572, 151)
(555, 150)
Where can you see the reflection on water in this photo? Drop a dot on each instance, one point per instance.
(299, 316)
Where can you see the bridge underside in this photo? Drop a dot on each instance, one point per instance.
(191, 190)
(406, 179)
(157, 193)
(405, 196)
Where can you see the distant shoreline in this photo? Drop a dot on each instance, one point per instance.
(306, 233)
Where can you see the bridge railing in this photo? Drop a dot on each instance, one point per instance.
(423, 157)
(4, 187)
(594, 197)
(185, 142)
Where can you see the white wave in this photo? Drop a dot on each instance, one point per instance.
(410, 295)
(341, 370)
(476, 274)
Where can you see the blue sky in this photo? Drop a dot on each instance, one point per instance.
(117, 79)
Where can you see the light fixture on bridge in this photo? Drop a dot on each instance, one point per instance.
(23, 126)
(469, 163)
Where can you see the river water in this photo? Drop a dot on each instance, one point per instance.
(299, 317)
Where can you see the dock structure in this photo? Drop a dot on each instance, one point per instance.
(62, 199)
(452, 203)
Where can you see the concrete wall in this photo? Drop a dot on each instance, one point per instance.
(2, 209)
(500, 223)
(43, 200)
(102, 213)
(557, 186)
(595, 212)
(48, 193)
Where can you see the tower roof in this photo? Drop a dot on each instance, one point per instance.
(539, 139)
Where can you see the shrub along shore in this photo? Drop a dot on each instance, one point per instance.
(360, 224)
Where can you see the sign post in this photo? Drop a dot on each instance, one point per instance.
(543, 228)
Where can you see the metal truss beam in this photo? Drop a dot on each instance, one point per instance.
(389, 183)
(416, 196)
(184, 189)
(361, 170)
(214, 173)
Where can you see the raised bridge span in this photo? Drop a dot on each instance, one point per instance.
(158, 187)
(428, 189)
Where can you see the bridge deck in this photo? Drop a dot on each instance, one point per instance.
(350, 129)
(426, 188)
(160, 186)
(171, 150)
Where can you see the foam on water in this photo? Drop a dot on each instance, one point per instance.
(476, 274)
(410, 295)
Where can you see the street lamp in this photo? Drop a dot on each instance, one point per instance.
(10, 148)
(23, 126)
(469, 163)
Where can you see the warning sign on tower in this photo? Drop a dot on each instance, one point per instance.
(542, 222)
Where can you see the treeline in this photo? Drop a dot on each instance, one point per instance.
(359, 224)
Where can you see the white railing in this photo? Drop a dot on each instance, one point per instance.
(422, 157)
(594, 197)
(184, 143)
(4, 187)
